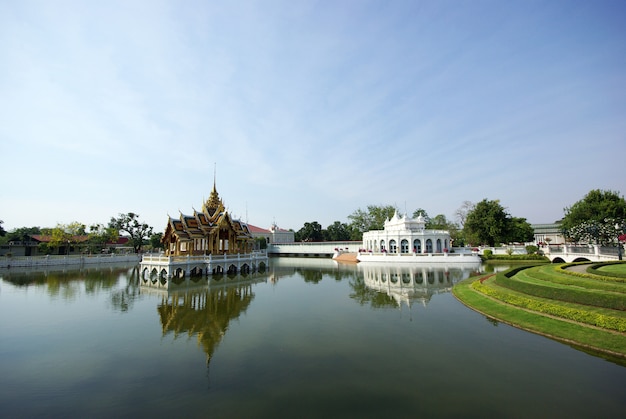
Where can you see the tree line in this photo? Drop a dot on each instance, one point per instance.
(486, 222)
(599, 217)
(91, 239)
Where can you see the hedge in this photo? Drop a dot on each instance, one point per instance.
(597, 298)
(577, 315)
(550, 274)
(597, 277)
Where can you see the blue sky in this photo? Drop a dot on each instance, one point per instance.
(309, 110)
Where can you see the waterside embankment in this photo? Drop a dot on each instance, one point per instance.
(66, 260)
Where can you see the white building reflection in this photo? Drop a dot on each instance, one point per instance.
(409, 284)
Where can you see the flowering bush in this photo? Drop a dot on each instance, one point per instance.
(599, 232)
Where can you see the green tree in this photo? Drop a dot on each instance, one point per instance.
(520, 230)
(99, 236)
(598, 218)
(337, 231)
(372, 219)
(2, 230)
(439, 222)
(76, 229)
(155, 241)
(61, 238)
(423, 213)
(22, 234)
(310, 232)
(129, 224)
(597, 206)
(487, 223)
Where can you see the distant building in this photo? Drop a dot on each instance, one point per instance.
(548, 234)
(273, 235)
(31, 247)
(75, 245)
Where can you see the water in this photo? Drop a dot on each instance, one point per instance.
(308, 338)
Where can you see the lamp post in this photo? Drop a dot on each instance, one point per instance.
(619, 230)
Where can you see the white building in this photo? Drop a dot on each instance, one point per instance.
(406, 235)
(273, 235)
(548, 234)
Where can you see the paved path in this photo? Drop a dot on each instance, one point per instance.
(578, 268)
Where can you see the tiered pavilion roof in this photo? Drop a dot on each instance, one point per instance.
(209, 231)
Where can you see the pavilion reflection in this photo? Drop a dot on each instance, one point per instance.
(204, 309)
(405, 285)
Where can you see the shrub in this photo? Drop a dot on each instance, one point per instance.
(575, 295)
(531, 249)
(577, 315)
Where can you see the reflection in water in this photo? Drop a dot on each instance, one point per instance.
(394, 285)
(68, 283)
(203, 309)
(311, 270)
(124, 298)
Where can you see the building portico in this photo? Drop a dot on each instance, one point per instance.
(406, 235)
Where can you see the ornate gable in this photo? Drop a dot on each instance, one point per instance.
(211, 230)
(213, 206)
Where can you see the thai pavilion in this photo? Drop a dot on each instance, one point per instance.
(406, 235)
(211, 231)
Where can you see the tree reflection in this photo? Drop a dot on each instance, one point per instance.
(311, 276)
(366, 295)
(68, 284)
(123, 299)
(310, 270)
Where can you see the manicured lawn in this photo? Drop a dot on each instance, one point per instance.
(618, 268)
(577, 323)
(554, 274)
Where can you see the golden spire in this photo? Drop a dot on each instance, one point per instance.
(214, 203)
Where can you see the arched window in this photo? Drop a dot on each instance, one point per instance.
(404, 246)
(419, 277)
(417, 246)
(429, 246)
(431, 277)
(439, 248)
(393, 248)
(382, 245)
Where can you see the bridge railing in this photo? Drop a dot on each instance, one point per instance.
(591, 249)
(313, 247)
(609, 250)
(160, 258)
(595, 252)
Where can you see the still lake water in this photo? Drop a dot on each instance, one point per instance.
(307, 338)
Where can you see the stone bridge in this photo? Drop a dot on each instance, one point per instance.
(590, 253)
(313, 249)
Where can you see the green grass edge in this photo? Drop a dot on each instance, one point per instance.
(573, 334)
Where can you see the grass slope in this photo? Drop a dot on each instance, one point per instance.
(599, 329)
